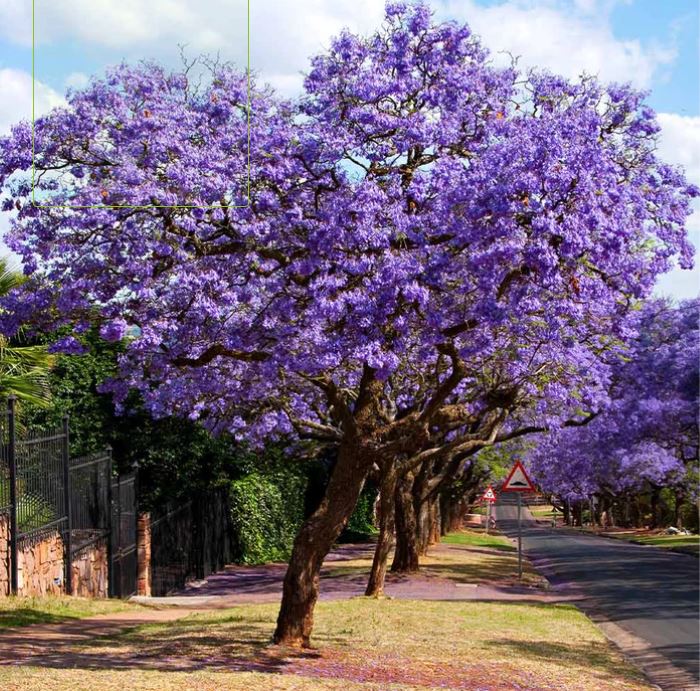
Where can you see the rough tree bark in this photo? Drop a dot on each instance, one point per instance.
(385, 540)
(406, 552)
(320, 530)
(435, 522)
(451, 512)
(312, 544)
(423, 512)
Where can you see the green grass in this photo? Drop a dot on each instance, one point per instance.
(679, 543)
(474, 558)
(360, 644)
(544, 511)
(474, 538)
(23, 611)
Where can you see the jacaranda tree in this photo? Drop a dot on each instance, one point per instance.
(647, 434)
(427, 244)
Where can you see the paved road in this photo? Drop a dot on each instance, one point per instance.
(645, 591)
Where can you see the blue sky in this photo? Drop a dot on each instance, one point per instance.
(653, 43)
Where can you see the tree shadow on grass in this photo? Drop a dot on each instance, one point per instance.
(25, 616)
(225, 644)
(482, 549)
(487, 569)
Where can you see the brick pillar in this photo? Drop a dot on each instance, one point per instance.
(143, 554)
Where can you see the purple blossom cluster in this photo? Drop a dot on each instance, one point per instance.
(648, 433)
(415, 196)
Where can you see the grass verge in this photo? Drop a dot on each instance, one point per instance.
(23, 611)
(688, 544)
(361, 644)
(473, 557)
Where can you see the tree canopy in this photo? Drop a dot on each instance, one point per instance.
(427, 252)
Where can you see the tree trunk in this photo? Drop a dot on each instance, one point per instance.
(566, 510)
(312, 544)
(578, 513)
(385, 541)
(435, 522)
(406, 552)
(636, 512)
(678, 497)
(451, 513)
(423, 527)
(655, 496)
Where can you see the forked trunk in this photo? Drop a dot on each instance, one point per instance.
(385, 541)
(312, 544)
(406, 552)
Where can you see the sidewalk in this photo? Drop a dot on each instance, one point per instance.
(236, 585)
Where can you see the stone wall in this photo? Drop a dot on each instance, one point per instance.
(90, 570)
(40, 566)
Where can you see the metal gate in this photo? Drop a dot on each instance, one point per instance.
(123, 565)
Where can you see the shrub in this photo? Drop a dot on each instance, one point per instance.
(267, 509)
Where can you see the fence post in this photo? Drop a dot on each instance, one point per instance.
(143, 553)
(12, 462)
(68, 541)
(110, 526)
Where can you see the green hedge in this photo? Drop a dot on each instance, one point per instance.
(361, 524)
(266, 512)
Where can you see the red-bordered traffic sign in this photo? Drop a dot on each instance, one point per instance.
(489, 495)
(518, 480)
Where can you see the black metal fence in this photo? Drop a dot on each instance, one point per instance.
(123, 556)
(190, 540)
(44, 491)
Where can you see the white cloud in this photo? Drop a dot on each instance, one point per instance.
(284, 33)
(564, 38)
(77, 80)
(16, 105)
(16, 101)
(680, 144)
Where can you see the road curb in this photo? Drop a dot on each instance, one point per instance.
(658, 670)
(671, 550)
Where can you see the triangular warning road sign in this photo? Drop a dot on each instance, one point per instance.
(517, 480)
(489, 495)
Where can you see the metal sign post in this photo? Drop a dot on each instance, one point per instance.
(518, 481)
(520, 542)
(489, 496)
